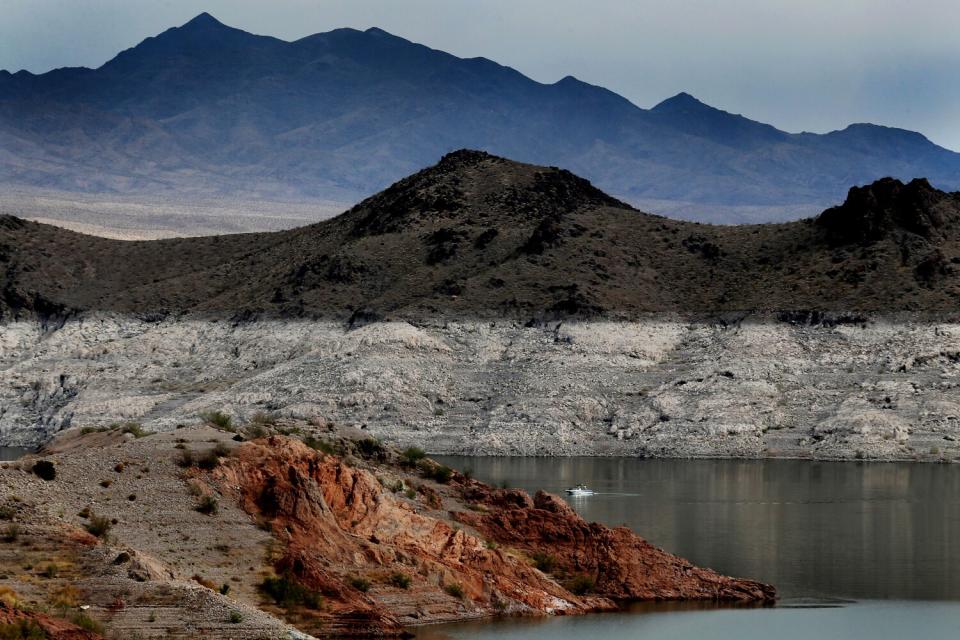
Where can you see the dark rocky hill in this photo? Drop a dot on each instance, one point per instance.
(205, 110)
(479, 235)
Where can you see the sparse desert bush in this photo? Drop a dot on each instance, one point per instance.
(204, 582)
(207, 505)
(320, 445)
(87, 430)
(360, 584)
(454, 590)
(371, 448)
(133, 428)
(44, 470)
(221, 450)
(544, 561)
(580, 585)
(410, 493)
(86, 623)
(22, 630)
(399, 580)
(10, 533)
(255, 431)
(185, 459)
(219, 420)
(65, 597)
(395, 486)
(264, 418)
(209, 460)
(287, 592)
(235, 617)
(7, 512)
(437, 472)
(412, 455)
(99, 526)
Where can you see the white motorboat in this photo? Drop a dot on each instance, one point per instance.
(580, 490)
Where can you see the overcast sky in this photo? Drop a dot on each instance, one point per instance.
(802, 65)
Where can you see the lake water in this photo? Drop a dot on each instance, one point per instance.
(854, 549)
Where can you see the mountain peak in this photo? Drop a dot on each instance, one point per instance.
(204, 21)
(683, 101)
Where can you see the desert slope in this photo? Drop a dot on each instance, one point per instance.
(477, 236)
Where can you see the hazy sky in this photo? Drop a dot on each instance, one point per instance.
(811, 65)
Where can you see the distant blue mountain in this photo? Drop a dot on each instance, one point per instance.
(206, 109)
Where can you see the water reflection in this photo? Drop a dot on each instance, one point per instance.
(817, 529)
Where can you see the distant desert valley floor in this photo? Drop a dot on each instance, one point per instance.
(151, 217)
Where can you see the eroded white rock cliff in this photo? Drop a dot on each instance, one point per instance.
(661, 386)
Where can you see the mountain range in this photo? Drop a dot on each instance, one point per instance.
(206, 110)
(479, 236)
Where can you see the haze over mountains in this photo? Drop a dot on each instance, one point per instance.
(205, 110)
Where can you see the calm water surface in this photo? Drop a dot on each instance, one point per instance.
(880, 543)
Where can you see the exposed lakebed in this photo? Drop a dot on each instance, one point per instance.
(855, 549)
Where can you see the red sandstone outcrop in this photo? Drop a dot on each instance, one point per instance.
(347, 536)
(622, 565)
(54, 628)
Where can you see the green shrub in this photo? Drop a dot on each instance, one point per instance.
(410, 493)
(44, 470)
(235, 617)
(320, 445)
(11, 533)
(264, 418)
(288, 592)
(134, 428)
(395, 487)
(437, 472)
(87, 430)
(580, 585)
(221, 450)
(412, 455)
(22, 630)
(399, 580)
(207, 506)
(544, 561)
(224, 589)
(255, 431)
(371, 448)
(99, 526)
(185, 459)
(219, 420)
(7, 512)
(86, 623)
(360, 584)
(454, 590)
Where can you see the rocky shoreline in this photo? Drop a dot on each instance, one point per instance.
(845, 388)
(321, 533)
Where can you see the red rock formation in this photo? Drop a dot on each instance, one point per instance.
(339, 523)
(54, 628)
(623, 565)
